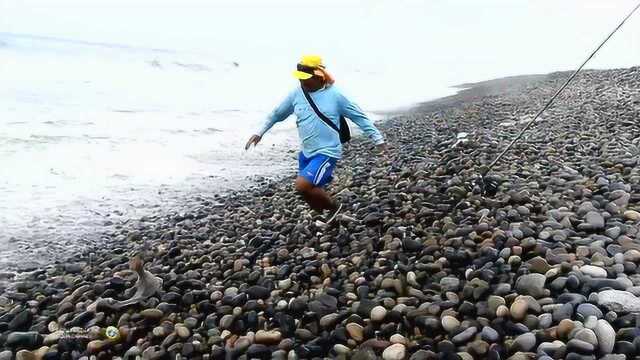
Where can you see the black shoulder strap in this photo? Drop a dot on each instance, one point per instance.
(321, 115)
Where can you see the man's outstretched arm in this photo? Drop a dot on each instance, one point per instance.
(352, 111)
(277, 115)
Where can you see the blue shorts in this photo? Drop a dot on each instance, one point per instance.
(317, 169)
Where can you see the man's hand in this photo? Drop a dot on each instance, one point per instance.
(255, 139)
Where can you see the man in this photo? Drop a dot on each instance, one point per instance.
(321, 145)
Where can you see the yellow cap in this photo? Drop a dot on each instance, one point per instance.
(309, 61)
(313, 61)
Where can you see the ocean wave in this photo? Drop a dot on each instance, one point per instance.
(194, 67)
(189, 66)
(46, 139)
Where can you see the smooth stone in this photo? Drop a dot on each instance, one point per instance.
(532, 284)
(465, 336)
(395, 352)
(587, 310)
(152, 314)
(630, 255)
(595, 219)
(519, 309)
(26, 355)
(631, 215)
(29, 340)
(53, 338)
(268, 337)
(545, 320)
(226, 321)
(450, 283)
(613, 357)
(538, 265)
(450, 323)
(591, 322)
(258, 292)
(341, 349)
(606, 336)
(580, 346)
(586, 335)
(258, 351)
(502, 289)
(489, 334)
(594, 271)
(564, 328)
(364, 354)
(21, 321)
(356, 331)
(576, 356)
(625, 347)
(550, 348)
(572, 298)
(154, 353)
(398, 339)
(132, 352)
(95, 346)
(420, 355)
(323, 305)
(522, 356)
(479, 347)
(494, 302)
(182, 331)
(619, 301)
(502, 311)
(329, 320)
(525, 342)
(378, 313)
(565, 311)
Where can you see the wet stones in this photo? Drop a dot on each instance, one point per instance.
(525, 342)
(532, 284)
(268, 337)
(593, 221)
(152, 315)
(618, 301)
(450, 323)
(323, 305)
(465, 335)
(420, 265)
(29, 340)
(632, 215)
(356, 331)
(606, 336)
(378, 313)
(593, 271)
(587, 310)
(394, 352)
(258, 292)
(21, 321)
(519, 309)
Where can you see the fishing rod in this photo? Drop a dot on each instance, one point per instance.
(490, 186)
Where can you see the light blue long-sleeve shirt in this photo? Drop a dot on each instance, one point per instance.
(316, 136)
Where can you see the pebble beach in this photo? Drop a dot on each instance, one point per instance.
(419, 265)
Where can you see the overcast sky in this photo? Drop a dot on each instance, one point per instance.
(450, 41)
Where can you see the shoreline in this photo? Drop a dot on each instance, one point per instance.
(418, 265)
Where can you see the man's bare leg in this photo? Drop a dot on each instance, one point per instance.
(316, 197)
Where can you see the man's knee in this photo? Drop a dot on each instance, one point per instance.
(303, 185)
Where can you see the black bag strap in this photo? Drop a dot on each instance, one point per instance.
(320, 115)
